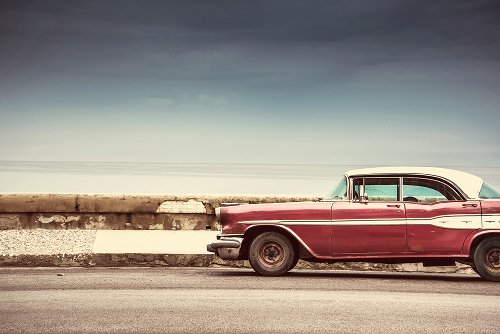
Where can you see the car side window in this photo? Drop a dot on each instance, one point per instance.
(376, 188)
(425, 190)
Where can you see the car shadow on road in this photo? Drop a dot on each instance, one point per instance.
(416, 276)
(388, 275)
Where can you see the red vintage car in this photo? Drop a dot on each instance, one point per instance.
(387, 215)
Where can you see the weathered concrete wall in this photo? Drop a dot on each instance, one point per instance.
(133, 212)
(119, 212)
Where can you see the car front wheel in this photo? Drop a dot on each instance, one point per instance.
(487, 259)
(272, 254)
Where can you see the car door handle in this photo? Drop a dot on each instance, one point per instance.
(393, 205)
(468, 205)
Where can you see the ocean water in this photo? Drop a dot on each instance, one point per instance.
(182, 179)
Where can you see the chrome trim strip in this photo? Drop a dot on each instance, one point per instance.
(369, 222)
(234, 235)
(446, 216)
(331, 222)
(287, 222)
(453, 222)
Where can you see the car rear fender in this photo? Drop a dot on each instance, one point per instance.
(475, 239)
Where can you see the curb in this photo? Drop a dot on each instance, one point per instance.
(117, 260)
(202, 260)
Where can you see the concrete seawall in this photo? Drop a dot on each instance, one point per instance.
(130, 230)
(119, 212)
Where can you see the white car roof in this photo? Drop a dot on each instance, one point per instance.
(468, 183)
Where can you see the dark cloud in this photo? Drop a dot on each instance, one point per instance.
(248, 43)
(301, 68)
(240, 21)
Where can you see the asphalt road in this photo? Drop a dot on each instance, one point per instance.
(208, 300)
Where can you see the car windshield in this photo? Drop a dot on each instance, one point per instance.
(340, 191)
(487, 191)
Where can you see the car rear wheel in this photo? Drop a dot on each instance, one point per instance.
(272, 254)
(487, 259)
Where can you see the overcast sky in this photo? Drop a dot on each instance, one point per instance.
(307, 82)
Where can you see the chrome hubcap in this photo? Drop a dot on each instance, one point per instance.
(492, 259)
(271, 254)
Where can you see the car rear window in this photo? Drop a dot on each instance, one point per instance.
(487, 191)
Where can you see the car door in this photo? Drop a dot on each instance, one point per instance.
(372, 225)
(439, 219)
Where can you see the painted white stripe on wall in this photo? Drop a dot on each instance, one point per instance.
(153, 242)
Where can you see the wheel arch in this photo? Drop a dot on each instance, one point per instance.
(253, 231)
(478, 238)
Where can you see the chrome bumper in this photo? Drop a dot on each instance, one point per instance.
(226, 248)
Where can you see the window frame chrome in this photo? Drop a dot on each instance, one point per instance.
(374, 176)
(437, 179)
(446, 182)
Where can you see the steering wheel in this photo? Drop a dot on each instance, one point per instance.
(410, 199)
